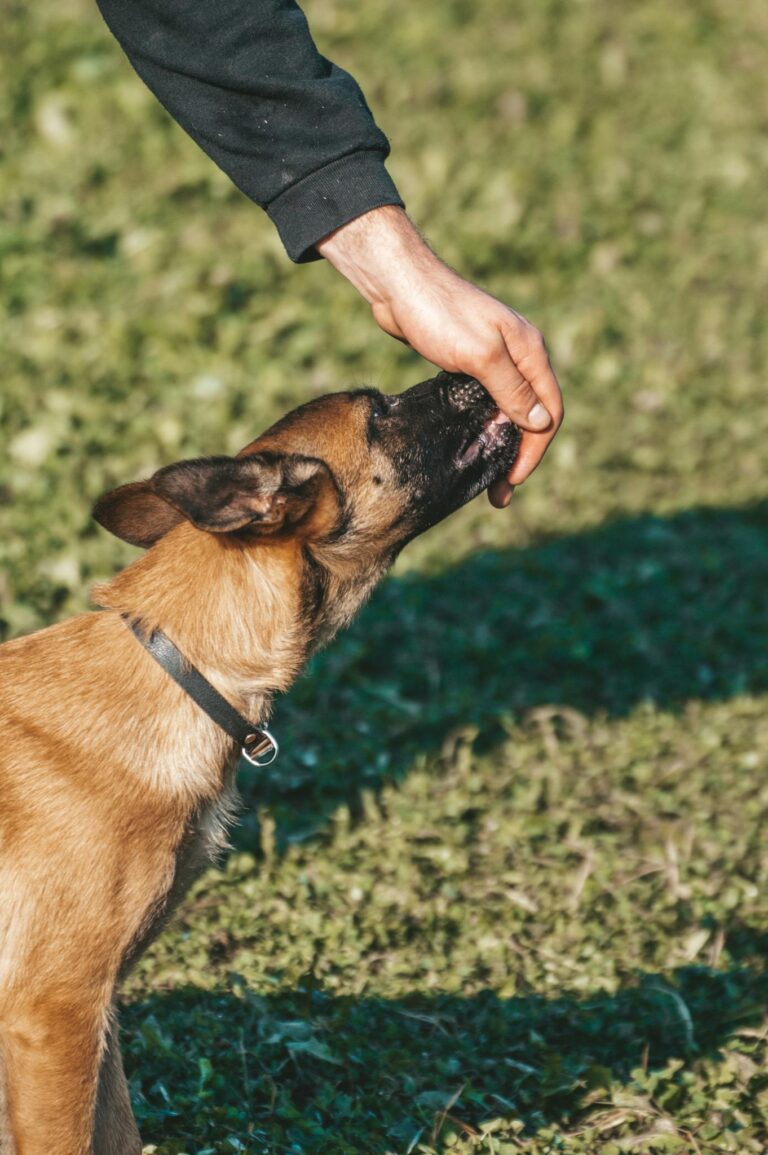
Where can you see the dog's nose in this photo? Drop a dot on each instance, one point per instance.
(462, 391)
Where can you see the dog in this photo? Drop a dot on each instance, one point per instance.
(117, 775)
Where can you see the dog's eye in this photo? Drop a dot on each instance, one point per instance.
(382, 406)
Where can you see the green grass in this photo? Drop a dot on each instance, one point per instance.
(505, 890)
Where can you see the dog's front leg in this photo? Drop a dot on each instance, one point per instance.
(115, 1131)
(52, 1053)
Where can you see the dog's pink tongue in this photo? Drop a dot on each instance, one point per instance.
(494, 424)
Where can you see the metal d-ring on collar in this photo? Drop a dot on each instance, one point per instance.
(259, 747)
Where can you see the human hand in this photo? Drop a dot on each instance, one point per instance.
(454, 324)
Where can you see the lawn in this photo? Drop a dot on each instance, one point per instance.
(506, 890)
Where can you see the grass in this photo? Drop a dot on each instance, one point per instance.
(505, 890)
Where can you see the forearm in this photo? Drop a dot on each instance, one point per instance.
(245, 80)
(390, 264)
(377, 250)
(387, 260)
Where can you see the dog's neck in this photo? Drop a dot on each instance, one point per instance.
(234, 612)
(247, 616)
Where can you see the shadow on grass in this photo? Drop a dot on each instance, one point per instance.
(642, 609)
(357, 1075)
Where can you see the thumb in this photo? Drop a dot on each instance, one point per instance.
(514, 395)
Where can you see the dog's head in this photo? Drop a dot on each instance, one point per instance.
(358, 469)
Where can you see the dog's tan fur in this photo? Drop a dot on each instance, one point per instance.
(116, 788)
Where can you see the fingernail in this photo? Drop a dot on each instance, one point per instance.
(538, 417)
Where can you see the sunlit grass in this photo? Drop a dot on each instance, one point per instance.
(506, 890)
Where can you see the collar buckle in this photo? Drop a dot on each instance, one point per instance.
(260, 748)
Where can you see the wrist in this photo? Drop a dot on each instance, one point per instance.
(375, 251)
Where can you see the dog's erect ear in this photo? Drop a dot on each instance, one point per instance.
(266, 492)
(136, 514)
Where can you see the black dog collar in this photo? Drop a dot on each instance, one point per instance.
(258, 745)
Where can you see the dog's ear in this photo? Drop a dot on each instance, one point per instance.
(136, 514)
(264, 492)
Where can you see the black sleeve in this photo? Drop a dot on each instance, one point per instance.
(245, 80)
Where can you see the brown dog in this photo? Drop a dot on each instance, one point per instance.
(116, 786)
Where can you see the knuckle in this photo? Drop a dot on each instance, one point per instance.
(483, 358)
(522, 393)
(536, 341)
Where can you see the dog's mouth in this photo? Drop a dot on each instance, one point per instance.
(488, 440)
(497, 433)
(453, 441)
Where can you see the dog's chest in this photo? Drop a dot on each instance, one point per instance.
(206, 838)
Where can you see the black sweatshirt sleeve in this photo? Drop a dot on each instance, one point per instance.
(245, 80)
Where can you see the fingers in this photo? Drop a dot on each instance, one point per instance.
(533, 446)
(512, 390)
(500, 493)
(534, 363)
(518, 400)
(521, 380)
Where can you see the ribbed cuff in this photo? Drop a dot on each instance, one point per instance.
(329, 198)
